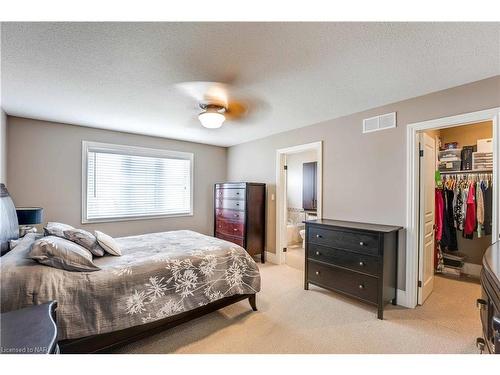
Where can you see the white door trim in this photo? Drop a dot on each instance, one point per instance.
(409, 297)
(281, 207)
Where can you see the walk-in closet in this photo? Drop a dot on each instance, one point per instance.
(463, 199)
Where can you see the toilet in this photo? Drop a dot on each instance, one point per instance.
(302, 233)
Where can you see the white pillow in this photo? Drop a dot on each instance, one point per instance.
(108, 243)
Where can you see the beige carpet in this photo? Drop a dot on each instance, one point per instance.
(292, 320)
(295, 257)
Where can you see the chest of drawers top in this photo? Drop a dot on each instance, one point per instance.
(351, 225)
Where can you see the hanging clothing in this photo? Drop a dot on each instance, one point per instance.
(458, 210)
(450, 221)
(438, 218)
(480, 209)
(488, 206)
(470, 215)
(445, 238)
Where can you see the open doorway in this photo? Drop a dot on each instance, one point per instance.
(456, 204)
(453, 198)
(298, 192)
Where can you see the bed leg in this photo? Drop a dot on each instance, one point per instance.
(252, 301)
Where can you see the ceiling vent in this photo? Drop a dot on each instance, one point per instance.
(381, 122)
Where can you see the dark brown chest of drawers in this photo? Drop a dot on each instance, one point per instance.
(356, 259)
(489, 303)
(240, 215)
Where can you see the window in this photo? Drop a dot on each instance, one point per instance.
(124, 182)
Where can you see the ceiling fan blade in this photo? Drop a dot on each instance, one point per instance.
(205, 92)
(235, 110)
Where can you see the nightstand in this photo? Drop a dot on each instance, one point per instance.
(31, 330)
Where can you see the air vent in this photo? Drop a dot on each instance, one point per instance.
(381, 122)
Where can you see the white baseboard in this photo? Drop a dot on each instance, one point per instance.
(272, 258)
(472, 269)
(402, 299)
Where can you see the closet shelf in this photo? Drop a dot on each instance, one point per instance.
(469, 171)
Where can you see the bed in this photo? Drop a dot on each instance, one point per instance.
(161, 280)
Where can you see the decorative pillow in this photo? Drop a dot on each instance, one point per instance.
(108, 243)
(61, 253)
(23, 243)
(85, 239)
(56, 229)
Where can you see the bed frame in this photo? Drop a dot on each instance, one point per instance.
(104, 342)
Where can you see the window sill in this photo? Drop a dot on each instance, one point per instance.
(134, 218)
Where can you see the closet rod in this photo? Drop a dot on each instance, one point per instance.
(464, 172)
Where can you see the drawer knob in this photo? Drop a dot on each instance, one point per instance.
(238, 193)
(317, 272)
(319, 236)
(237, 204)
(235, 229)
(318, 253)
(361, 286)
(361, 264)
(361, 243)
(236, 215)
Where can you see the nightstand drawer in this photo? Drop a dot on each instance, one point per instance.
(354, 261)
(353, 283)
(361, 242)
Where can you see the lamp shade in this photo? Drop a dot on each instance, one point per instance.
(29, 215)
(211, 119)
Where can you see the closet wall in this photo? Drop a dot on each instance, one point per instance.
(467, 135)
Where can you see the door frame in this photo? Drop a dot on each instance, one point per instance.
(409, 297)
(281, 205)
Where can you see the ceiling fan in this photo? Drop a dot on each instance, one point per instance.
(218, 102)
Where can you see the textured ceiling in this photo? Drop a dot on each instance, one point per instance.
(121, 76)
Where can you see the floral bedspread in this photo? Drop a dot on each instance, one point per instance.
(158, 275)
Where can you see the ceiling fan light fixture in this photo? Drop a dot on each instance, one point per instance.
(212, 118)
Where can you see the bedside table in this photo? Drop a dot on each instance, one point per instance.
(31, 330)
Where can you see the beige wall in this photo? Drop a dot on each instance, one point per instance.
(44, 169)
(364, 175)
(467, 135)
(3, 147)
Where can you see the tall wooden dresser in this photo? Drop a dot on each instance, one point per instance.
(356, 259)
(240, 215)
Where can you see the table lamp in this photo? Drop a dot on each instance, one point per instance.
(27, 217)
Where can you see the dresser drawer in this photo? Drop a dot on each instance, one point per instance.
(230, 193)
(230, 227)
(233, 215)
(237, 240)
(349, 282)
(362, 242)
(354, 261)
(230, 204)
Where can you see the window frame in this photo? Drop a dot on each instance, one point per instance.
(132, 151)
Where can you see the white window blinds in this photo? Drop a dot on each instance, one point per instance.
(129, 182)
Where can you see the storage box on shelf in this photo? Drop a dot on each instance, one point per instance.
(485, 145)
(482, 160)
(449, 166)
(450, 154)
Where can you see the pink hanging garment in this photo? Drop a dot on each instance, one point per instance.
(470, 215)
(439, 208)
